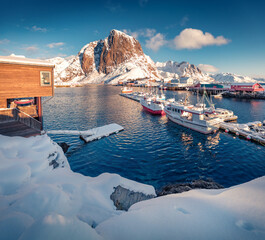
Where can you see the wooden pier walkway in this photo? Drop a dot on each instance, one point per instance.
(14, 122)
(16, 128)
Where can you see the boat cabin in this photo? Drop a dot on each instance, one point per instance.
(23, 83)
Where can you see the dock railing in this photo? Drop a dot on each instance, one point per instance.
(15, 114)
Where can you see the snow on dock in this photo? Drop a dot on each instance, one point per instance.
(91, 134)
(131, 96)
(254, 131)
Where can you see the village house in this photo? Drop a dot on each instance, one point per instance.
(23, 83)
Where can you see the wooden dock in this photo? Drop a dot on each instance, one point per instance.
(14, 122)
(91, 134)
(131, 96)
(243, 130)
(16, 128)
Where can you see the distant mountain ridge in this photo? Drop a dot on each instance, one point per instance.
(177, 70)
(120, 57)
(229, 77)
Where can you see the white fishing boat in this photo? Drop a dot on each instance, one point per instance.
(192, 117)
(160, 97)
(226, 115)
(212, 112)
(152, 105)
(126, 90)
(218, 95)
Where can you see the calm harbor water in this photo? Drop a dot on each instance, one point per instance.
(152, 149)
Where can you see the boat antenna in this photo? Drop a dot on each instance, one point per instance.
(203, 96)
(209, 100)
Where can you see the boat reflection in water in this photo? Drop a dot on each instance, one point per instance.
(206, 142)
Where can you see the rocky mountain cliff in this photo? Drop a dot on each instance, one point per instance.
(119, 57)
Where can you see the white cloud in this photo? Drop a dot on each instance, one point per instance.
(4, 41)
(53, 45)
(207, 68)
(38, 29)
(31, 50)
(184, 20)
(147, 32)
(113, 7)
(5, 51)
(195, 39)
(96, 32)
(188, 39)
(131, 33)
(142, 3)
(156, 42)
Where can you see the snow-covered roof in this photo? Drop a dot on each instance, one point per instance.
(25, 61)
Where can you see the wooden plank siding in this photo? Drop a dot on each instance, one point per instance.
(3, 103)
(23, 81)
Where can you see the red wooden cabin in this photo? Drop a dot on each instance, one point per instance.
(246, 87)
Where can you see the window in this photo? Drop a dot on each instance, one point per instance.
(45, 78)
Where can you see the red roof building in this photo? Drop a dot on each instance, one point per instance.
(247, 87)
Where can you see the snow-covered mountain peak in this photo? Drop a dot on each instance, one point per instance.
(118, 57)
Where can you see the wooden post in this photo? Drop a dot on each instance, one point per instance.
(39, 107)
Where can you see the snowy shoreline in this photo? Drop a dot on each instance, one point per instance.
(38, 201)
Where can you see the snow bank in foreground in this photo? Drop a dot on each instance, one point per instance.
(235, 213)
(39, 201)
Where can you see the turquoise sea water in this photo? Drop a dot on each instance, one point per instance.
(152, 149)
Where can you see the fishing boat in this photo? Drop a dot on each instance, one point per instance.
(193, 117)
(152, 105)
(24, 101)
(226, 115)
(218, 95)
(212, 112)
(126, 90)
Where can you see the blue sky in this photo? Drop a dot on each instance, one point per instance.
(228, 35)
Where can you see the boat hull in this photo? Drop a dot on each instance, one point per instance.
(126, 91)
(154, 112)
(195, 127)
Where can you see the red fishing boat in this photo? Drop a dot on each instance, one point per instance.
(152, 105)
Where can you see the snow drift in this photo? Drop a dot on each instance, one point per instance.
(39, 201)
